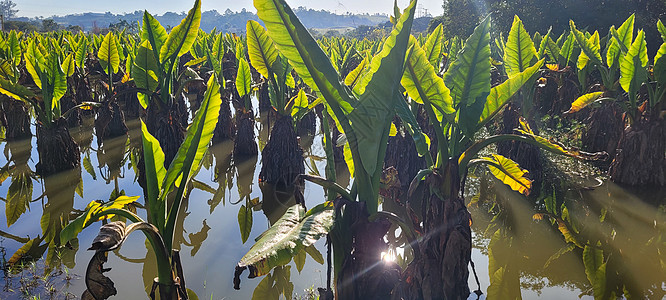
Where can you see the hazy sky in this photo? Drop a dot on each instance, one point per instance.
(47, 8)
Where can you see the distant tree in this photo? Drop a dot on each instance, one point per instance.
(22, 26)
(124, 24)
(49, 25)
(7, 9)
(74, 28)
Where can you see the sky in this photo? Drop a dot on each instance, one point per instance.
(47, 8)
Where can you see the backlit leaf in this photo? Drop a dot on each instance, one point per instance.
(583, 101)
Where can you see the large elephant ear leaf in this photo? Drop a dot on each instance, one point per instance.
(433, 46)
(468, 78)
(310, 62)
(500, 94)
(261, 48)
(589, 49)
(423, 85)
(292, 233)
(660, 65)
(183, 36)
(108, 54)
(378, 88)
(625, 34)
(632, 65)
(519, 50)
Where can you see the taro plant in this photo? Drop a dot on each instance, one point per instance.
(44, 61)
(165, 192)
(160, 79)
(365, 120)
(641, 99)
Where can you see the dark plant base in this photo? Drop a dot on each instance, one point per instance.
(245, 144)
(110, 122)
(165, 125)
(74, 116)
(364, 275)
(603, 131)
(225, 128)
(282, 158)
(641, 156)
(402, 155)
(15, 119)
(57, 150)
(127, 95)
(307, 125)
(440, 266)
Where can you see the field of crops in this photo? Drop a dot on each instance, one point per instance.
(494, 165)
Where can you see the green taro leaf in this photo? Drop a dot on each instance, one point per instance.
(567, 49)
(261, 48)
(182, 37)
(155, 172)
(433, 47)
(469, 75)
(145, 68)
(191, 151)
(422, 84)
(108, 54)
(294, 41)
(626, 34)
(56, 87)
(519, 50)
(292, 233)
(243, 78)
(589, 46)
(355, 75)
(153, 32)
(662, 30)
(82, 53)
(68, 65)
(595, 269)
(500, 94)
(378, 89)
(632, 65)
(659, 69)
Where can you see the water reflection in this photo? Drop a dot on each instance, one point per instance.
(604, 242)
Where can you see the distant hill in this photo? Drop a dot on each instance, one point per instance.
(228, 21)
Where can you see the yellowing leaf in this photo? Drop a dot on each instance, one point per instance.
(583, 101)
(509, 172)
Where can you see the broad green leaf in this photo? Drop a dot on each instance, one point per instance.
(422, 84)
(145, 68)
(34, 63)
(500, 94)
(299, 260)
(662, 30)
(355, 75)
(82, 53)
(108, 54)
(349, 160)
(567, 49)
(583, 101)
(626, 34)
(469, 75)
(15, 91)
(552, 50)
(57, 85)
(260, 48)
(310, 62)
(68, 65)
(293, 232)
(243, 78)
(589, 46)
(245, 222)
(509, 173)
(421, 140)
(300, 102)
(378, 88)
(659, 69)
(153, 158)
(14, 48)
(433, 47)
(153, 32)
(632, 65)
(519, 50)
(182, 37)
(265, 290)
